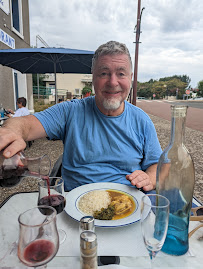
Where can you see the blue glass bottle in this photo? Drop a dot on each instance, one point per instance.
(175, 180)
(1, 111)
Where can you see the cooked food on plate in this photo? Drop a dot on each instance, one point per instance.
(107, 204)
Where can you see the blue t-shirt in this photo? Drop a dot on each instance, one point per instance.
(100, 148)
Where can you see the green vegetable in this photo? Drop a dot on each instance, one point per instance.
(105, 213)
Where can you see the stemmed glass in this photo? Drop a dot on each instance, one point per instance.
(51, 193)
(38, 237)
(154, 222)
(13, 169)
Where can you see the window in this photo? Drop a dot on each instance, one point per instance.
(52, 85)
(17, 17)
(77, 91)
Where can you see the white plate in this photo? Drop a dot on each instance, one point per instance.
(73, 197)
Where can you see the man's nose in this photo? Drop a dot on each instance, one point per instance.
(113, 80)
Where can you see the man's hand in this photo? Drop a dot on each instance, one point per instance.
(145, 180)
(141, 180)
(16, 131)
(11, 142)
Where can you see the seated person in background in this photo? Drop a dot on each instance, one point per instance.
(21, 111)
(106, 139)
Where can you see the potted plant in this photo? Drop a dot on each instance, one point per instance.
(86, 92)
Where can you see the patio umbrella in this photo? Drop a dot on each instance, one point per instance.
(48, 60)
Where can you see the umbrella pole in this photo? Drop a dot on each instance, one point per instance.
(38, 86)
(55, 83)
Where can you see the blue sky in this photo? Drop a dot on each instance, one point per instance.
(171, 38)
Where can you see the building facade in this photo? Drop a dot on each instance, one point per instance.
(14, 34)
(69, 85)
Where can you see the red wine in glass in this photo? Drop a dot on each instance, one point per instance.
(51, 193)
(11, 177)
(38, 236)
(57, 201)
(13, 169)
(39, 250)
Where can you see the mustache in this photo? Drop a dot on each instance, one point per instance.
(112, 90)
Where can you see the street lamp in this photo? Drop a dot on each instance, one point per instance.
(165, 86)
(177, 93)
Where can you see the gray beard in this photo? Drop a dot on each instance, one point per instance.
(111, 104)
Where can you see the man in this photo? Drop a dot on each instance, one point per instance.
(21, 111)
(105, 138)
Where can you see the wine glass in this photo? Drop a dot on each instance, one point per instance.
(13, 169)
(154, 222)
(51, 193)
(38, 237)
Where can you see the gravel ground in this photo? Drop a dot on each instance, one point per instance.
(193, 142)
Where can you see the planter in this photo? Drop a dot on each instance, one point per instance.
(87, 94)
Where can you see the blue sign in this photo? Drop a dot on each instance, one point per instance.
(4, 5)
(7, 39)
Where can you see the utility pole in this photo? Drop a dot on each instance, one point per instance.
(137, 27)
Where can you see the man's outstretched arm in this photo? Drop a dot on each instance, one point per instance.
(16, 131)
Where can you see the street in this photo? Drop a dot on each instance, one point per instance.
(162, 109)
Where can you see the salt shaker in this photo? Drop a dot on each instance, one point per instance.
(88, 250)
(86, 224)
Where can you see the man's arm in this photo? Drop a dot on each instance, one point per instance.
(11, 111)
(16, 131)
(145, 180)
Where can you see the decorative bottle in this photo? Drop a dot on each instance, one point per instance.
(175, 180)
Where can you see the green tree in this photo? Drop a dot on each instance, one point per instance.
(41, 82)
(200, 88)
(144, 89)
(164, 87)
(183, 78)
(173, 85)
(159, 89)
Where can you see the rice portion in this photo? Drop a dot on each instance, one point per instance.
(94, 200)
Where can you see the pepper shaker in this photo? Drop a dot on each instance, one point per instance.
(86, 224)
(88, 250)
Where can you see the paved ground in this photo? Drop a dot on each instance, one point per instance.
(162, 109)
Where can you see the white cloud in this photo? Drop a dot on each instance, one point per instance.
(171, 31)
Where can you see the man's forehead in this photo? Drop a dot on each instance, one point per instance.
(106, 67)
(121, 61)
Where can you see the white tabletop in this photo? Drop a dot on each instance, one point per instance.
(125, 242)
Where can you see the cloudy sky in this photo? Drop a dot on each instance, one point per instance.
(171, 38)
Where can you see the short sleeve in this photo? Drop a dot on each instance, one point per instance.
(152, 149)
(53, 120)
